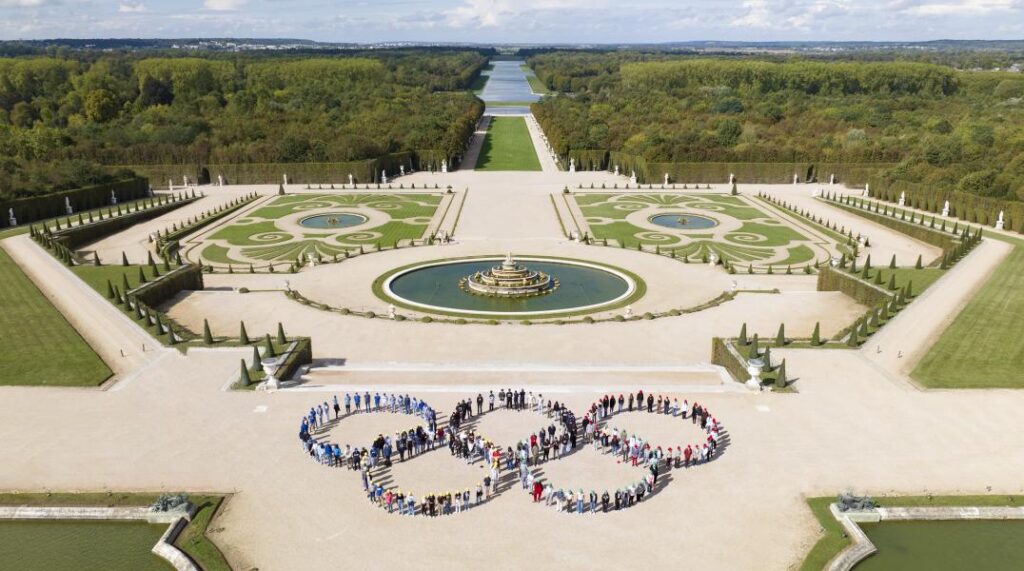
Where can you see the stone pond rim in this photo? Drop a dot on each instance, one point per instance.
(434, 287)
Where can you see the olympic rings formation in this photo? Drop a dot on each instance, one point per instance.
(549, 443)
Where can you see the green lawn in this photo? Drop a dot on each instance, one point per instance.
(833, 540)
(40, 346)
(536, 84)
(192, 540)
(984, 346)
(508, 147)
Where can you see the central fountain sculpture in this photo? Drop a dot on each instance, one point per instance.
(510, 279)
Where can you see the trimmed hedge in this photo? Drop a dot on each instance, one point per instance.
(968, 207)
(301, 354)
(37, 208)
(712, 173)
(944, 240)
(864, 293)
(153, 293)
(365, 172)
(723, 353)
(78, 235)
(167, 243)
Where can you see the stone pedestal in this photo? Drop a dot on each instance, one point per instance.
(754, 381)
(270, 368)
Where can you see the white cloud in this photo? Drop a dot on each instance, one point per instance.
(493, 13)
(224, 5)
(128, 7)
(961, 7)
(800, 15)
(22, 3)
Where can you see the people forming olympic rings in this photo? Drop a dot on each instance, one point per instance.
(548, 443)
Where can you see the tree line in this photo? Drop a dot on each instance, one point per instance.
(66, 120)
(945, 128)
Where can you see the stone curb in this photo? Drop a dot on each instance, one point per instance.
(862, 546)
(164, 547)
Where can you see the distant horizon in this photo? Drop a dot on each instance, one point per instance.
(513, 22)
(413, 42)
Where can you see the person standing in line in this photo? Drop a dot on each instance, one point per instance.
(337, 408)
(490, 402)
(479, 403)
(348, 404)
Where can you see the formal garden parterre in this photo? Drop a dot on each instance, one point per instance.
(302, 227)
(697, 226)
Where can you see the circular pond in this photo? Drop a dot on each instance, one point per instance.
(435, 286)
(680, 221)
(333, 220)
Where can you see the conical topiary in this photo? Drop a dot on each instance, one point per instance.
(207, 335)
(257, 362)
(780, 378)
(816, 335)
(753, 352)
(281, 339)
(110, 290)
(892, 281)
(142, 276)
(780, 337)
(743, 335)
(96, 259)
(243, 336)
(243, 376)
(270, 348)
(124, 259)
(124, 283)
(892, 262)
(767, 358)
(852, 341)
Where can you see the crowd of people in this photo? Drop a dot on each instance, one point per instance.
(562, 436)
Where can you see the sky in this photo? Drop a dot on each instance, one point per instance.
(517, 21)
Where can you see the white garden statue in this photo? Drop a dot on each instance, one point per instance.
(184, 180)
(384, 177)
(351, 179)
(903, 198)
(572, 165)
(616, 170)
(1000, 223)
(113, 198)
(666, 178)
(796, 178)
(11, 218)
(632, 177)
(220, 180)
(832, 178)
(67, 206)
(401, 170)
(732, 178)
(444, 165)
(945, 210)
(170, 184)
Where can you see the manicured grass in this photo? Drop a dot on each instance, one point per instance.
(508, 147)
(833, 541)
(760, 237)
(40, 346)
(72, 545)
(192, 540)
(984, 346)
(536, 84)
(261, 240)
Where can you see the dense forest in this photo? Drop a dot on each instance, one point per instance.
(943, 127)
(68, 120)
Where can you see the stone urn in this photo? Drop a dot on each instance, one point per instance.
(269, 368)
